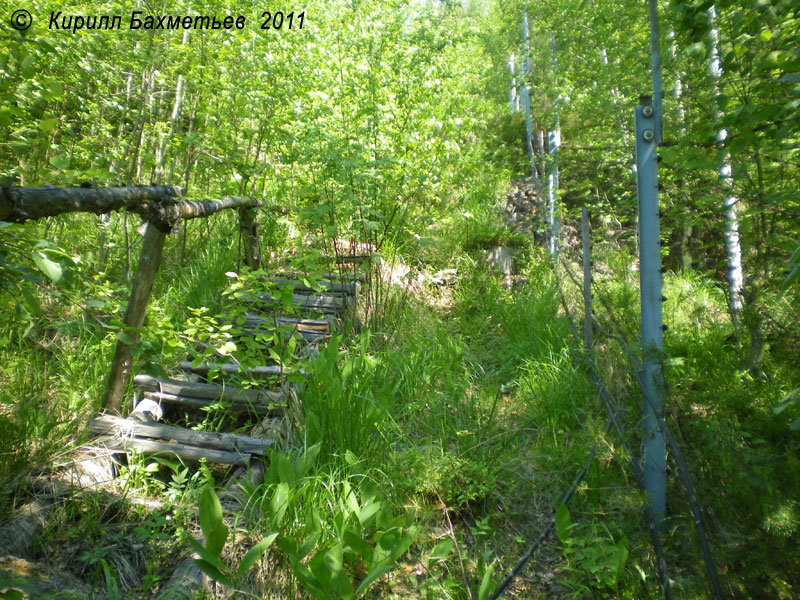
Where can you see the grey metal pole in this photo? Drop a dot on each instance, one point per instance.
(525, 68)
(652, 331)
(587, 280)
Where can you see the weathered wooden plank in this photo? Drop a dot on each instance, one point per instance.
(345, 277)
(339, 287)
(352, 258)
(233, 369)
(260, 409)
(152, 248)
(210, 391)
(318, 302)
(111, 442)
(129, 428)
(20, 204)
(309, 329)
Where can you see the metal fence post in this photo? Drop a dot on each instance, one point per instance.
(588, 329)
(652, 332)
(525, 93)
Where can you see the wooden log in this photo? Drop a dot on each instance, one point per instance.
(340, 287)
(152, 248)
(186, 583)
(210, 392)
(17, 536)
(199, 403)
(318, 302)
(184, 209)
(20, 204)
(352, 258)
(113, 443)
(129, 428)
(344, 277)
(233, 369)
(309, 329)
(249, 231)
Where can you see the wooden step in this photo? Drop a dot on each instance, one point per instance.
(309, 329)
(234, 369)
(198, 395)
(345, 277)
(128, 434)
(324, 303)
(336, 287)
(350, 259)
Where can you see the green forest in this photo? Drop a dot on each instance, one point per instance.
(345, 299)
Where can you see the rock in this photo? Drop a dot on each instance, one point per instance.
(501, 259)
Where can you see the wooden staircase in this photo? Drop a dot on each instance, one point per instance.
(323, 305)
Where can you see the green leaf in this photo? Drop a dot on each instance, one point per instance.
(213, 572)
(788, 400)
(48, 124)
(340, 582)
(307, 460)
(216, 541)
(60, 162)
(371, 577)
(443, 549)
(622, 557)
(486, 583)
(319, 569)
(285, 469)
(27, 65)
(254, 554)
(308, 580)
(563, 522)
(210, 511)
(54, 90)
(207, 556)
(278, 504)
(49, 268)
(358, 545)
(125, 338)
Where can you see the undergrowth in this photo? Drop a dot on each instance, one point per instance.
(451, 440)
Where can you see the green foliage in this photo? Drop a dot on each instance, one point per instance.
(346, 402)
(791, 399)
(15, 588)
(338, 537)
(598, 561)
(215, 533)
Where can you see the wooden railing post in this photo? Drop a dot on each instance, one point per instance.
(152, 248)
(249, 230)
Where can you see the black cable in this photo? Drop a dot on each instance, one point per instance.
(683, 470)
(527, 556)
(655, 538)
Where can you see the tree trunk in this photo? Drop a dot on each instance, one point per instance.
(733, 248)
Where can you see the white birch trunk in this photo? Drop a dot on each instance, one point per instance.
(733, 248)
